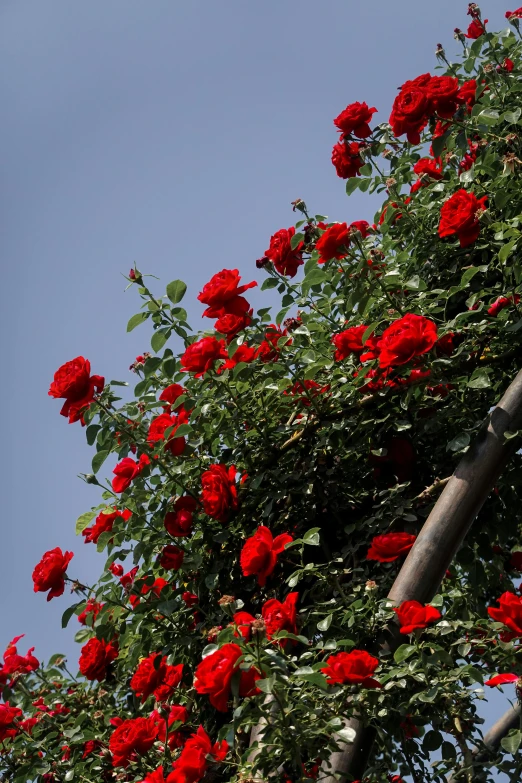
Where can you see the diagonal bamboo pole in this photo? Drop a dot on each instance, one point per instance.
(438, 541)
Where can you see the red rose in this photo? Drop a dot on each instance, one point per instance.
(92, 610)
(362, 226)
(390, 546)
(9, 721)
(116, 569)
(408, 337)
(157, 427)
(467, 93)
(347, 159)
(350, 341)
(50, 571)
(233, 317)
(219, 493)
(14, 664)
(199, 357)
(171, 557)
(280, 616)
(126, 471)
(333, 243)
(171, 394)
(458, 215)
(133, 736)
(411, 109)
(514, 14)
(73, 382)
(222, 287)
(104, 523)
(285, 260)
(269, 349)
(509, 612)
(243, 621)
(508, 65)
(191, 765)
(354, 119)
(429, 167)
(500, 303)
(476, 28)
(443, 94)
(179, 522)
(412, 615)
(259, 553)
(303, 390)
(148, 676)
(177, 714)
(95, 657)
(445, 344)
(355, 668)
(501, 679)
(214, 674)
(190, 599)
(244, 353)
(171, 680)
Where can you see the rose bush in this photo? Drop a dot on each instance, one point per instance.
(260, 488)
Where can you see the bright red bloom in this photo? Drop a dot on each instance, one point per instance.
(191, 765)
(219, 493)
(280, 616)
(127, 579)
(412, 615)
(500, 303)
(347, 159)
(333, 243)
(126, 471)
(199, 357)
(165, 421)
(177, 713)
(233, 317)
(390, 546)
(190, 599)
(179, 521)
(350, 341)
(285, 260)
(408, 337)
(171, 681)
(509, 612)
(269, 349)
(95, 657)
(429, 167)
(171, 557)
(354, 668)
(501, 679)
(49, 573)
(354, 119)
(259, 553)
(74, 383)
(221, 288)
(116, 569)
(9, 717)
(104, 523)
(148, 676)
(92, 609)
(412, 108)
(244, 621)
(14, 664)
(467, 93)
(445, 344)
(443, 94)
(458, 215)
(508, 65)
(514, 14)
(302, 390)
(214, 674)
(132, 737)
(244, 353)
(362, 226)
(476, 29)
(171, 394)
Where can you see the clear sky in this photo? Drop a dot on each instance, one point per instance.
(175, 134)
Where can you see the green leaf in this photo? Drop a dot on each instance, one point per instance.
(439, 143)
(479, 379)
(512, 116)
(69, 776)
(511, 743)
(266, 685)
(449, 752)
(176, 291)
(459, 443)
(403, 652)
(468, 275)
(316, 678)
(183, 430)
(98, 460)
(83, 521)
(159, 339)
(296, 240)
(136, 320)
(415, 284)
(432, 740)
(347, 734)
(312, 536)
(351, 185)
(66, 616)
(270, 282)
(489, 117)
(91, 432)
(506, 250)
(323, 625)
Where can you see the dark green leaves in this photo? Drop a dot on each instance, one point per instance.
(176, 291)
(136, 320)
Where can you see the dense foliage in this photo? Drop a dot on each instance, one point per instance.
(268, 483)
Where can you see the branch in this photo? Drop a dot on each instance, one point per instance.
(440, 537)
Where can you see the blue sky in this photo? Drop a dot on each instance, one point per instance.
(176, 135)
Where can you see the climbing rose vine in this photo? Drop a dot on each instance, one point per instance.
(258, 490)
